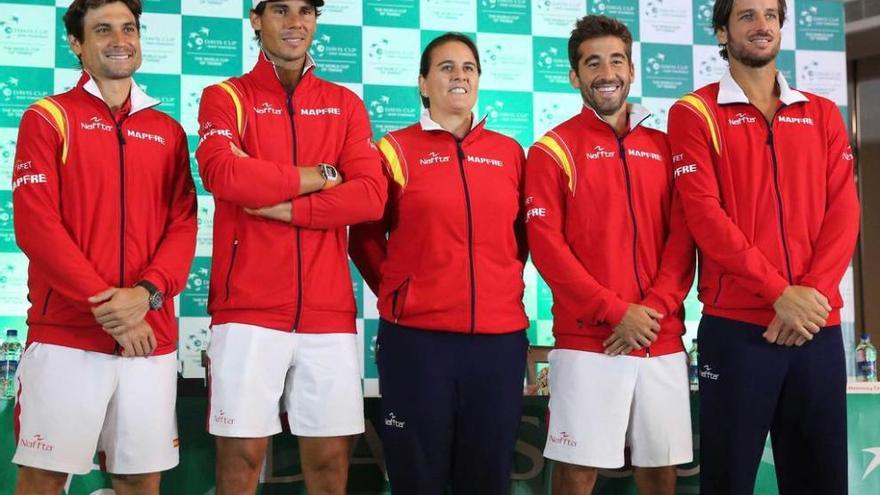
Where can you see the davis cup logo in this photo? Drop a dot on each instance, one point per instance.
(197, 39)
(6, 90)
(808, 16)
(6, 213)
(653, 8)
(7, 27)
(377, 107)
(655, 63)
(711, 67)
(197, 341)
(489, 4)
(492, 110)
(319, 46)
(810, 71)
(548, 114)
(546, 57)
(378, 49)
(704, 16)
(7, 151)
(599, 7)
(198, 280)
(490, 56)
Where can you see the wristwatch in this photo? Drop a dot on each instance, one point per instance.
(330, 175)
(156, 297)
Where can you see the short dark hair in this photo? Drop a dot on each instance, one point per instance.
(73, 18)
(721, 17)
(425, 62)
(597, 26)
(261, 7)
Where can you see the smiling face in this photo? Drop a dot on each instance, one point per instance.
(111, 44)
(453, 80)
(286, 29)
(604, 74)
(752, 34)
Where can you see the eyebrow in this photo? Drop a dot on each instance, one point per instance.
(449, 61)
(613, 55)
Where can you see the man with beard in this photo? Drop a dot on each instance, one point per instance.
(765, 175)
(105, 210)
(282, 307)
(606, 232)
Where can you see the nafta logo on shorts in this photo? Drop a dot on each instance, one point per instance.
(392, 421)
(706, 372)
(37, 442)
(479, 160)
(434, 158)
(95, 123)
(742, 118)
(223, 419)
(563, 439)
(599, 152)
(267, 107)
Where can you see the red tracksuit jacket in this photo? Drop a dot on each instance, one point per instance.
(101, 203)
(264, 272)
(769, 205)
(605, 230)
(454, 256)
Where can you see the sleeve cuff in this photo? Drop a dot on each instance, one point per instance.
(301, 211)
(774, 288)
(615, 313)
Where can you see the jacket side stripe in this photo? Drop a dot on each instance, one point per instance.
(60, 123)
(393, 160)
(561, 157)
(698, 105)
(239, 113)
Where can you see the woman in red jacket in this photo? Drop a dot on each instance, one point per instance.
(451, 349)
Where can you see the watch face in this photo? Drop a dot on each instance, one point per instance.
(329, 172)
(156, 300)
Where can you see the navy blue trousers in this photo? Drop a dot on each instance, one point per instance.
(451, 409)
(749, 387)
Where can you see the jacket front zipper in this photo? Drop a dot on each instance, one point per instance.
(231, 266)
(778, 192)
(299, 263)
(470, 222)
(121, 140)
(632, 213)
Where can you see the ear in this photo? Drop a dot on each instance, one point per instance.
(256, 21)
(721, 34)
(423, 86)
(75, 45)
(573, 79)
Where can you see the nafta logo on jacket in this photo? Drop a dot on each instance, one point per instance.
(315, 112)
(392, 421)
(707, 373)
(644, 154)
(434, 158)
(95, 123)
(742, 118)
(146, 136)
(479, 160)
(37, 442)
(796, 120)
(563, 439)
(267, 108)
(846, 155)
(599, 152)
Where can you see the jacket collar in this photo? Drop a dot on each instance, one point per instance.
(265, 74)
(139, 99)
(730, 92)
(428, 124)
(637, 115)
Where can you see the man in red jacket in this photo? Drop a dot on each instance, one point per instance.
(606, 232)
(275, 145)
(105, 212)
(765, 175)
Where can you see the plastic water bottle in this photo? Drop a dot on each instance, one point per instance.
(10, 354)
(866, 360)
(693, 367)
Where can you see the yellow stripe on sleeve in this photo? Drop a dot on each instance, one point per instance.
(239, 114)
(58, 116)
(698, 105)
(393, 161)
(561, 156)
